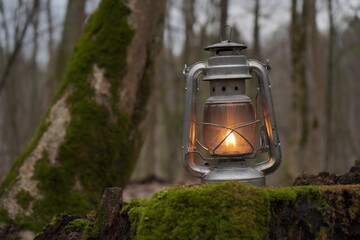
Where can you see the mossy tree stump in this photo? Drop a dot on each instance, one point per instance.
(229, 210)
(90, 137)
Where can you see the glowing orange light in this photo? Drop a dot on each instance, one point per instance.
(230, 140)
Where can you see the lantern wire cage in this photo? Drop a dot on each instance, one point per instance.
(251, 155)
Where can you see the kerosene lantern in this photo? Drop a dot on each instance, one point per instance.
(234, 130)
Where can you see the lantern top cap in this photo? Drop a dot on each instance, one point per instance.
(225, 44)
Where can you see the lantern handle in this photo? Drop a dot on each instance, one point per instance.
(274, 159)
(191, 75)
(230, 33)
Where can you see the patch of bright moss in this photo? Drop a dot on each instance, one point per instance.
(233, 210)
(292, 194)
(56, 182)
(229, 210)
(91, 231)
(281, 194)
(78, 225)
(55, 219)
(24, 198)
(135, 210)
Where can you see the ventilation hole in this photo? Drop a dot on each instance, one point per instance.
(236, 88)
(225, 52)
(223, 88)
(213, 89)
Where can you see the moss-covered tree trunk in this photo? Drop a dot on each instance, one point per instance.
(90, 137)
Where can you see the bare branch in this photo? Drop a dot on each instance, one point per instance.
(18, 43)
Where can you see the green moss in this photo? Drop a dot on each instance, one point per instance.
(26, 222)
(135, 210)
(281, 194)
(24, 198)
(14, 171)
(221, 211)
(4, 216)
(357, 163)
(322, 234)
(78, 225)
(59, 197)
(99, 140)
(354, 210)
(55, 219)
(292, 194)
(91, 231)
(233, 210)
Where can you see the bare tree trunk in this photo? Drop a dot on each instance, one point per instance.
(224, 12)
(34, 79)
(329, 88)
(299, 112)
(251, 85)
(72, 28)
(292, 160)
(256, 32)
(90, 137)
(5, 28)
(161, 156)
(188, 11)
(19, 39)
(50, 26)
(154, 161)
(314, 151)
(301, 74)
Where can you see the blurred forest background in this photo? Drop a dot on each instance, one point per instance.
(313, 47)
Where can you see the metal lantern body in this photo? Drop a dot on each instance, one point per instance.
(231, 131)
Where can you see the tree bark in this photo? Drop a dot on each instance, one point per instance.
(299, 112)
(251, 85)
(256, 31)
(315, 83)
(90, 136)
(329, 89)
(224, 12)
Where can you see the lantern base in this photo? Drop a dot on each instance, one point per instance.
(236, 171)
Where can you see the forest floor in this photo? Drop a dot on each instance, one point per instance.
(325, 178)
(144, 189)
